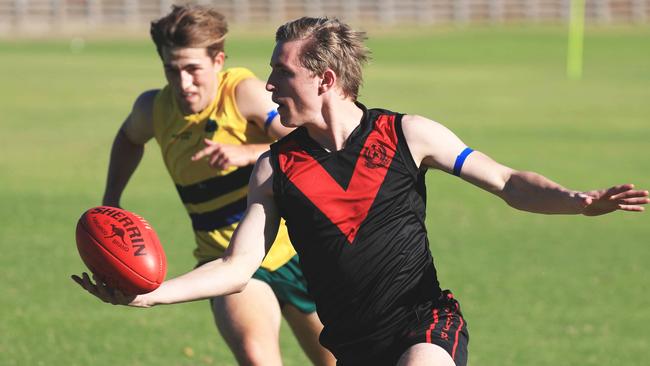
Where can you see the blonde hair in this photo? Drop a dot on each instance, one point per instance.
(330, 44)
(190, 26)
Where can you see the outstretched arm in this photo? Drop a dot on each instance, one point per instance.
(229, 274)
(434, 146)
(128, 147)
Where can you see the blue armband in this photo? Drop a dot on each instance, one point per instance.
(269, 118)
(460, 160)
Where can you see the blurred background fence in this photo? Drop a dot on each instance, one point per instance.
(52, 15)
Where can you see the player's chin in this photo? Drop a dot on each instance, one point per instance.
(287, 123)
(190, 105)
(285, 118)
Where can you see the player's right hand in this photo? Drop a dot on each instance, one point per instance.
(101, 290)
(224, 156)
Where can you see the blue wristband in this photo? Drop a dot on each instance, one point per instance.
(269, 118)
(460, 160)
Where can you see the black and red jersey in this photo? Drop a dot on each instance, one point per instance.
(356, 218)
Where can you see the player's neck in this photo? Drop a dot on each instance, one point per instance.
(339, 119)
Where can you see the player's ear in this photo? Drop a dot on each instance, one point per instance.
(219, 59)
(327, 81)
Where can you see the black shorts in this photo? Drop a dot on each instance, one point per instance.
(436, 322)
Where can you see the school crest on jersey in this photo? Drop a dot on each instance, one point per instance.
(375, 156)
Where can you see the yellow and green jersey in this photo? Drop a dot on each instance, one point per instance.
(215, 199)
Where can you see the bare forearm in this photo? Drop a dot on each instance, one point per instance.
(222, 276)
(248, 246)
(125, 158)
(215, 278)
(532, 192)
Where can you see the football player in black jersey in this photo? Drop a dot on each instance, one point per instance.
(349, 181)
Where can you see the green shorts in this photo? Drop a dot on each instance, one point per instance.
(289, 285)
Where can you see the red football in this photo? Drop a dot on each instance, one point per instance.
(122, 249)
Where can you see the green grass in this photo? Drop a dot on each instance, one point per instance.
(536, 290)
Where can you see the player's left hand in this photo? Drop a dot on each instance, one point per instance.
(622, 197)
(223, 156)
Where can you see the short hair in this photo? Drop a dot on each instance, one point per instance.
(190, 26)
(330, 44)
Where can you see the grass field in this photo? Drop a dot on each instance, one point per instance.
(536, 290)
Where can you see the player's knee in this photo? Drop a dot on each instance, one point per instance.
(425, 354)
(254, 352)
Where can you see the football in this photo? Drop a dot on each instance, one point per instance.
(121, 249)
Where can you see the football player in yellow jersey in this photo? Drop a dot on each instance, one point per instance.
(212, 125)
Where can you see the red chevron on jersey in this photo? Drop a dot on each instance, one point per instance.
(347, 207)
